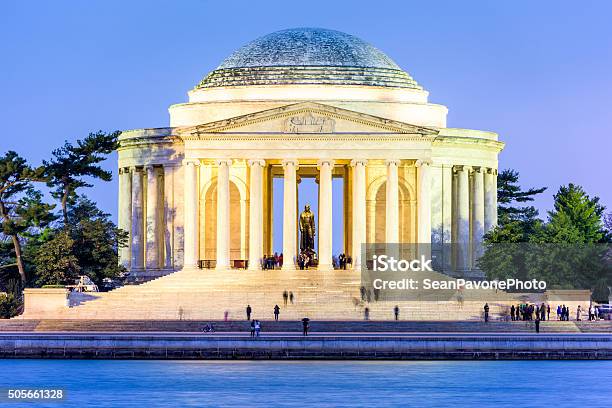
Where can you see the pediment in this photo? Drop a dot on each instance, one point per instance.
(306, 118)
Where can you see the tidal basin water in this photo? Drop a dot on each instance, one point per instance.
(145, 384)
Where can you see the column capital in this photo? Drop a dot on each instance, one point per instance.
(324, 162)
(458, 168)
(256, 162)
(479, 169)
(392, 162)
(223, 162)
(187, 162)
(149, 167)
(359, 162)
(290, 162)
(490, 170)
(423, 162)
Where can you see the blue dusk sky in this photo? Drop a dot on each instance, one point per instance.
(536, 72)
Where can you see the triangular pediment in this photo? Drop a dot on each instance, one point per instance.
(307, 118)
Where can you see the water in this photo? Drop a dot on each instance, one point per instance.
(145, 384)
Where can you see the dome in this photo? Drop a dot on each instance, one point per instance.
(308, 56)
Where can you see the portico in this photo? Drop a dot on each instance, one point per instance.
(199, 194)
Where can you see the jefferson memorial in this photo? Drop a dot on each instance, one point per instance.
(303, 103)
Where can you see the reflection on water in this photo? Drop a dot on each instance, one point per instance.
(146, 384)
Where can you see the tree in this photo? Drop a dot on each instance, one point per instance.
(576, 218)
(97, 240)
(21, 206)
(516, 223)
(55, 261)
(71, 164)
(510, 193)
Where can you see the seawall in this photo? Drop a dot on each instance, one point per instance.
(282, 346)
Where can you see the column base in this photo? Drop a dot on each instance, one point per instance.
(325, 267)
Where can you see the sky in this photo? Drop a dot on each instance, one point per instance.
(537, 73)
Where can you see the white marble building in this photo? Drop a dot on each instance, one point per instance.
(292, 104)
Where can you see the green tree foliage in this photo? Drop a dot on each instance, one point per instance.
(55, 261)
(516, 222)
(97, 241)
(10, 305)
(576, 218)
(21, 206)
(72, 164)
(568, 251)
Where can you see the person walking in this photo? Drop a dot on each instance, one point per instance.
(276, 312)
(486, 312)
(253, 328)
(396, 312)
(547, 312)
(248, 312)
(291, 297)
(512, 312)
(285, 297)
(305, 326)
(558, 312)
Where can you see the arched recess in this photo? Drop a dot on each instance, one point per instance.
(238, 209)
(376, 211)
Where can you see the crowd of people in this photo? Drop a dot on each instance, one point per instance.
(542, 312)
(341, 261)
(304, 261)
(272, 261)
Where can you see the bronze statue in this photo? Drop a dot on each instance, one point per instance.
(307, 230)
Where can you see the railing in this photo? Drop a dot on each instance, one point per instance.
(211, 263)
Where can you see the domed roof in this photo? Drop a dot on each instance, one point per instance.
(308, 47)
(308, 56)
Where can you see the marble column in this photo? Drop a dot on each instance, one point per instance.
(325, 213)
(191, 203)
(463, 217)
(424, 201)
(137, 237)
(490, 199)
(223, 214)
(289, 213)
(392, 203)
(153, 228)
(256, 214)
(359, 210)
(478, 214)
(125, 212)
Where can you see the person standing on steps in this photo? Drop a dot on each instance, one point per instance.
(486, 312)
(305, 326)
(537, 324)
(276, 312)
(252, 328)
(248, 312)
(366, 313)
(396, 312)
(285, 297)
(291, 297)
(257, 328)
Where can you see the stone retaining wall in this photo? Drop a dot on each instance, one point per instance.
(420, 347)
